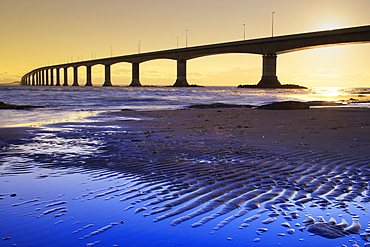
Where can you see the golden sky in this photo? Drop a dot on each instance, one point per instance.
(36, 33)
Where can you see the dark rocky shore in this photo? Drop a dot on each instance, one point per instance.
(8, 106)
(285, 86)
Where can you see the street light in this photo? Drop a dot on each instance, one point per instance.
(272, 24)
(139, 46)
(177, 41)
(244, 31)
(187, 38)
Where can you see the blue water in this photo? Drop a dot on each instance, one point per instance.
(65, 168)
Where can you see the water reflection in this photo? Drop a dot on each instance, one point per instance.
(87, 184)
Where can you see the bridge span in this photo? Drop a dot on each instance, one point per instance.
(268, 47)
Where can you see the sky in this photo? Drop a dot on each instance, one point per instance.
(38, 33)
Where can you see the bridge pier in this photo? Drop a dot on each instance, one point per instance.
(75, 76)
(51, 77)
(33, 79)
(57, 83)
(43, 77)
(135, 75)
(46, 77)
(107, 82)
(65, 77)
(88, 76)
(40, 78)
(181, 74)
(269, 78)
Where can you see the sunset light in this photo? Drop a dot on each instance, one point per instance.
(184, 123)
(69, 31)
(330, 27)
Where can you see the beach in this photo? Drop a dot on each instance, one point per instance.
(338, 130)
(232, 168)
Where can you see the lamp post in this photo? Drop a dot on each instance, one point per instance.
(244, 31)
(272, 24)
(177, 42)
(139, 46)
(187, 38)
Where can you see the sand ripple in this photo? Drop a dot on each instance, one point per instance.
(223, 181)
(229, 182)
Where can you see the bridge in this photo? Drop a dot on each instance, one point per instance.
(269, 48)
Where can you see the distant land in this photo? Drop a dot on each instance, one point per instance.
(14, 83)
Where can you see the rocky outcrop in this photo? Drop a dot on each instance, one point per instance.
(285, 105)
(286, 86)
(218, 105)
(8, 106)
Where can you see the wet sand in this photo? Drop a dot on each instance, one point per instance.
(11, 134)
(233, 162)
(236, 163)
(341, 130)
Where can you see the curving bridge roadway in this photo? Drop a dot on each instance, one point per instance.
(269, 48)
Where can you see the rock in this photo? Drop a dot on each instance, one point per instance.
(218, 105)
(285, 105)
(7, 106)
(289, 86)
(327, 230)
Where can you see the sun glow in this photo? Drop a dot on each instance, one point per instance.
(330, 91)
(329, 27)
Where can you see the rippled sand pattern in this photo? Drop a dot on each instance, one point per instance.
(217, 182)
(238, 180)
(222, 181)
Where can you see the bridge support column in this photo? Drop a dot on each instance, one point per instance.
(46, 77)
(33, 79)
(65, 77)
(43, 77)
(57, 79)
(40, 78)
(135, 75)
(269, 78)
(181, 74)
(88, 76)
(75, 76)
(51, 77)
(107, 82)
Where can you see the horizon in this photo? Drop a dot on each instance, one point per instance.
(158, 29)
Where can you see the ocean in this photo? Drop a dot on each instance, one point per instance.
(66, 185)
(77, 103)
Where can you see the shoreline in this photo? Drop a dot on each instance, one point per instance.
(335, 129)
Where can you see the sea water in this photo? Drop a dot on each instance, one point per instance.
(62, 188)
(71, 103)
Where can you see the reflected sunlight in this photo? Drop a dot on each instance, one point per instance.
(330, 91)
(328, 94)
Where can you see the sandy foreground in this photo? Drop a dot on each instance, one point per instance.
(236, 161)
(342, 130)
(226, 163)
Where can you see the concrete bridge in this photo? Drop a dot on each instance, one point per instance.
(269, 48)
